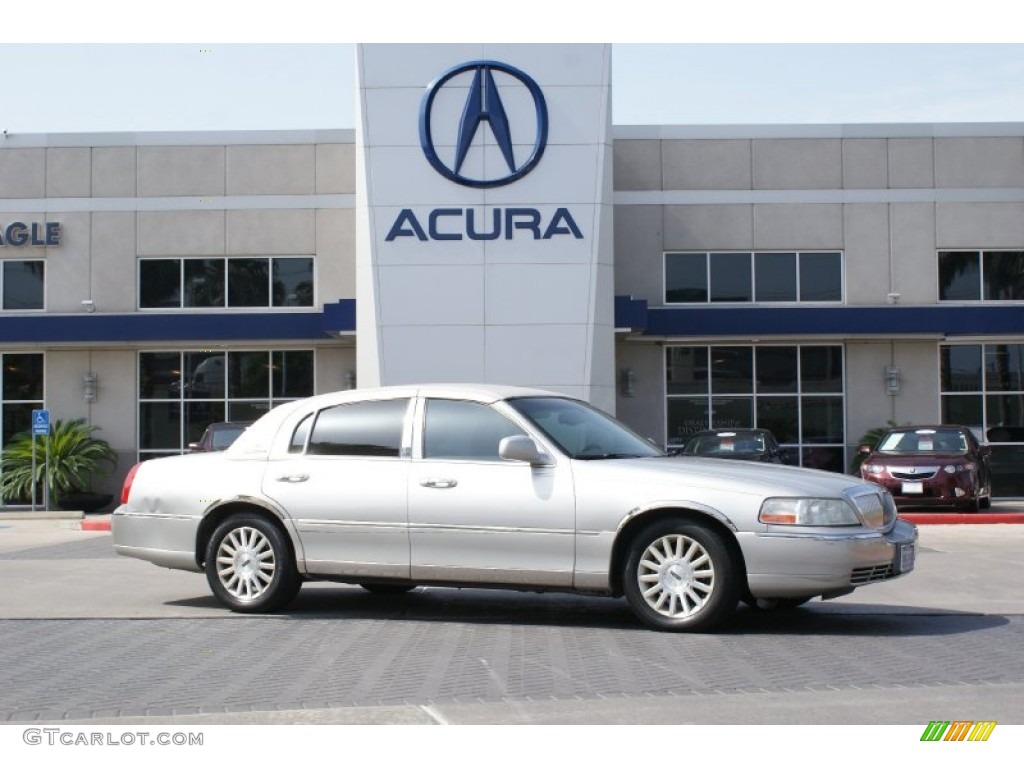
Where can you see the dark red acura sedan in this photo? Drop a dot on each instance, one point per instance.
(931, 466)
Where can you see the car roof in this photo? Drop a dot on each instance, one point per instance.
(484, 393)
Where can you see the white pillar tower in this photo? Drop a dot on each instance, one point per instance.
(484, 216)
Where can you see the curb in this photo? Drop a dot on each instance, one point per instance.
(962, 518)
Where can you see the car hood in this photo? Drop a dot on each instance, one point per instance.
(689, 473)
(912, 459)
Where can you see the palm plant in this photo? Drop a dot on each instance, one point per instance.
(66, 460)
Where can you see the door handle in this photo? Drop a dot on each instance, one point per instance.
(293, 478)
(438, 482)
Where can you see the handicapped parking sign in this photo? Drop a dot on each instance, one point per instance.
(40, 422)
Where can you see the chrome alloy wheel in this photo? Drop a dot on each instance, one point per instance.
(246, 563)
(676, 576)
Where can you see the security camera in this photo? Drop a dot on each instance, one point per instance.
(89, 305)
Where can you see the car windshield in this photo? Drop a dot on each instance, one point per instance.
(581, 431)
(907, 441)
(726, 443)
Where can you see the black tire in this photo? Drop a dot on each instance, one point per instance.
(986, 502)
(681, 598)
(388, 589)
(250, 566)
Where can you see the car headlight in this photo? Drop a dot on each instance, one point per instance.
(874, 469)
(807, 512)
(951, 469)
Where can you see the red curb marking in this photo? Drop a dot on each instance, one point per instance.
(957, 518)
(95, 525)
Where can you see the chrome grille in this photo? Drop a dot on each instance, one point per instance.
(877, 509)
(913, 473)
(860, 576)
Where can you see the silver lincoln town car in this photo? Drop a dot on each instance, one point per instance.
(486, 486)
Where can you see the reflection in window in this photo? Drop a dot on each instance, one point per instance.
(796, 392)
(181, 393)
(359, 429)
(981, 275)
(982, 387)
(456, 429)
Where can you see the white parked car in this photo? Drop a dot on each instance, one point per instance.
(488, 486)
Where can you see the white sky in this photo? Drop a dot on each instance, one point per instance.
(291, 65)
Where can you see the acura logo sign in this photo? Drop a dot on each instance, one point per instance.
(484, 104)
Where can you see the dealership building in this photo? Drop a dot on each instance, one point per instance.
(486, 221)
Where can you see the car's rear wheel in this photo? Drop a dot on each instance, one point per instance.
(681, 576)
(388, 589)
(250, 566)
(986, 502)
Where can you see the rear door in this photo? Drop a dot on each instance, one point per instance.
(344, 483)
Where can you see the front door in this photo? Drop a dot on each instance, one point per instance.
(474, 516)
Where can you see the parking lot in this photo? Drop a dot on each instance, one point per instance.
(89, 635)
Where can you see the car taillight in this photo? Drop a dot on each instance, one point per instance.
(126, 489)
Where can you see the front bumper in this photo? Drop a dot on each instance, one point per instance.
(812, 562)
(947, 491)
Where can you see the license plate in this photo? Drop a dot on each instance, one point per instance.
(904, 560)
(913, 488)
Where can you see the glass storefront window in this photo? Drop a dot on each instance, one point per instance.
(181, 393)
(160, 283)
(961, 368)
(795, 391)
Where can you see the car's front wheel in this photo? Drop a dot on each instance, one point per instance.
(681, 576)
(250, 566)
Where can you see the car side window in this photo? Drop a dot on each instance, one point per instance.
(372, 428)
(458, 429)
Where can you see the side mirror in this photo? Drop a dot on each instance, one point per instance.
(193, 446)
(984, 450)
(864, 450)
(521, 448)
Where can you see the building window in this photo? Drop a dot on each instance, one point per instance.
(182, 393)
(22, 285)
(981, 275)
(760, 277)
(279, 281)
(795, 391)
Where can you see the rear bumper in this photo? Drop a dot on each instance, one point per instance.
(166, 540)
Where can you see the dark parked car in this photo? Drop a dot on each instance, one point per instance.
(931, 466)
(218, 437)
(747, 444)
